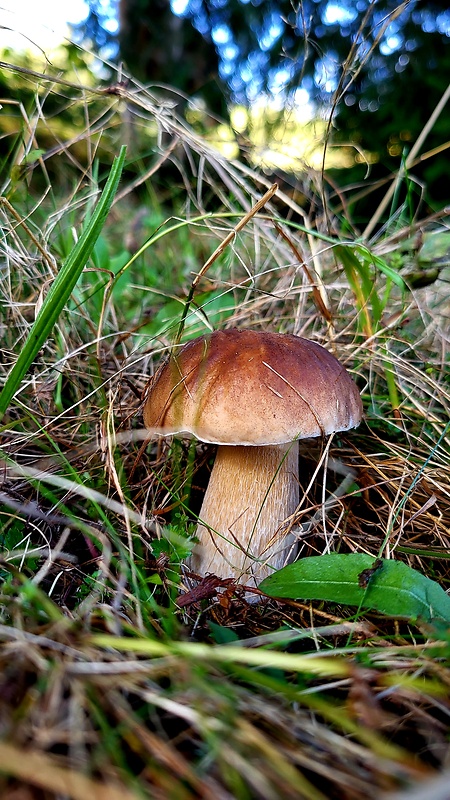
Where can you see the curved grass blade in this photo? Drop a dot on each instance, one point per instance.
(380, 263)
(62, 286)
(358, 579)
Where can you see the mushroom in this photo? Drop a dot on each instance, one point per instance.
(254, 394)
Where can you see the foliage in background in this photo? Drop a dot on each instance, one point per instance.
(355, 58)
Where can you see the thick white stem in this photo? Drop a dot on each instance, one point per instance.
(251, 492)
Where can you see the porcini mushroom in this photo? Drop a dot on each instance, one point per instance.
(254, 394)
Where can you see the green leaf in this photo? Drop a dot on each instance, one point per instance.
(62, 286)
(32, 156)
(360, 580)
(221, 634)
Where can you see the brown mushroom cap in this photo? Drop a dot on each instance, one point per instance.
(254, 388)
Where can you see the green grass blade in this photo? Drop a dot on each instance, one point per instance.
(380, 264)
(359, 276)
(62, 286)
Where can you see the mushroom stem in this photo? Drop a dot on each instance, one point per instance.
(251, 492)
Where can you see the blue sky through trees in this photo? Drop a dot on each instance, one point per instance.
(246, 62)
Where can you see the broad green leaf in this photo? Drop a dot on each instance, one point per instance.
(62, 286)
(357, 579)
